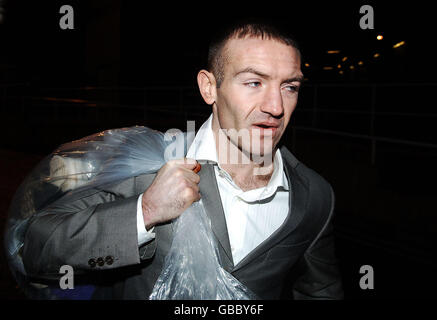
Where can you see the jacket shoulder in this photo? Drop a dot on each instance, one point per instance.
(310, 177)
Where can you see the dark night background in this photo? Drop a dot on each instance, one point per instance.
(369, 129)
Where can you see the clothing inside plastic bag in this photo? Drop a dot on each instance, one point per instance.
(192, 269)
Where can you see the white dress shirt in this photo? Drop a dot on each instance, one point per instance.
(251, 216)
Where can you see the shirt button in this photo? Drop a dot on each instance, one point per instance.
(92, 263)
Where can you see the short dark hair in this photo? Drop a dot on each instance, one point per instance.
(241, 30)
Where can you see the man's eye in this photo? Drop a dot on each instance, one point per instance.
(253, 84)
(292, 88)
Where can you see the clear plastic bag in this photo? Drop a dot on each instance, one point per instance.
(192, 269)
(101, 158)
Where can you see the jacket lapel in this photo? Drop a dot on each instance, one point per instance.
(297, 203)
(214, 209)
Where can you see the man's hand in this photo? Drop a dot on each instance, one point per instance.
(173, 190)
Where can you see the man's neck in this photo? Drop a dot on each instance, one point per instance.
(245, 172)
(243, 175)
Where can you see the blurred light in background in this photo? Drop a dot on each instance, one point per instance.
(376, 55)
(344, 59)
(328, 68)
(379, 37)
(397, 45)
(360, 63)
(333, 51)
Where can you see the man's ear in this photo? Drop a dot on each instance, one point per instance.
(207, 86)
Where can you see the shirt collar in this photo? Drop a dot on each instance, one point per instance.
(203, 147)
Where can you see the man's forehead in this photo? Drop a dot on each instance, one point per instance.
(268, 52)
(256, 45)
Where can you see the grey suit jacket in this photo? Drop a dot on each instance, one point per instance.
(96, 234)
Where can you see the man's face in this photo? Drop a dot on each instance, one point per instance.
(259, 90)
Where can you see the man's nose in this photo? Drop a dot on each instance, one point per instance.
(273, 103)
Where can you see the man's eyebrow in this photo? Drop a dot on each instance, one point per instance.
(266, 76)
(254, 71)
(294, 79)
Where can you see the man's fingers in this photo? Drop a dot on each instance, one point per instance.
(195, 189)
(187, 163)
(197, 168)
(191, 175)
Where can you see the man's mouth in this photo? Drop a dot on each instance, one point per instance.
(264, 126)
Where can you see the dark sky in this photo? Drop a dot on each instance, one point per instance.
(164, 43)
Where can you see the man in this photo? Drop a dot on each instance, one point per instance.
(270, 214)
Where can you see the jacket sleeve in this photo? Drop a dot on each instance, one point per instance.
(95, 229)
(321, 277)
